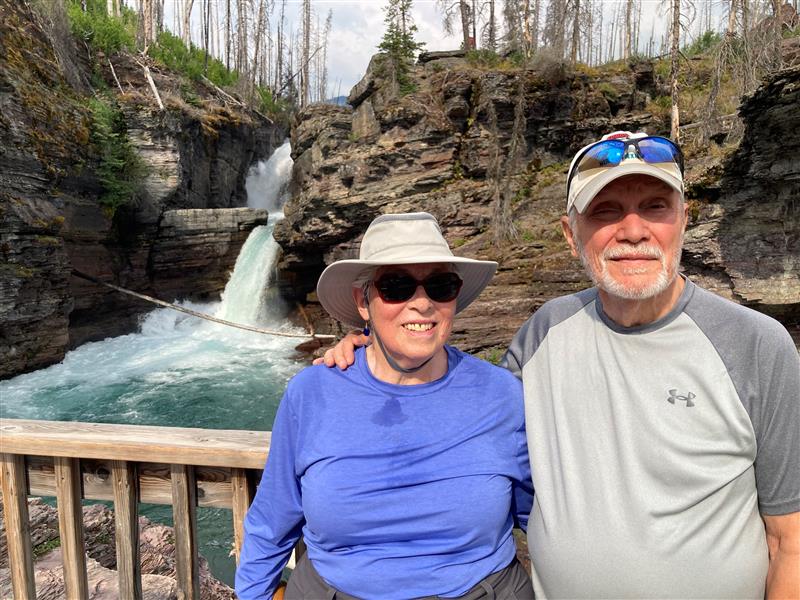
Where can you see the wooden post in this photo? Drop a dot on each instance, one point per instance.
(70, 526)
(15, 509)
(126, 528)
(184, 511)
(242, 497)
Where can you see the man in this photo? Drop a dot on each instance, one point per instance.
(663, 421)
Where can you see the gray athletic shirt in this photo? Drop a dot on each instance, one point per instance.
(654, 448)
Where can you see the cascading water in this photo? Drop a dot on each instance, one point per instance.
(182, 371)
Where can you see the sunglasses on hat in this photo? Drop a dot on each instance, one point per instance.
(399, 287)
(611, 152)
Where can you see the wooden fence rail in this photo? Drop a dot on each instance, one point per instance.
(126, 464)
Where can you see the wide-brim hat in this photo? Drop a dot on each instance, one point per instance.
(398, 239)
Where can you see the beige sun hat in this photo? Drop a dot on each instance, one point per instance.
(398, 239)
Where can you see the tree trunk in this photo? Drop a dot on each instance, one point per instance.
(187, 22)
(228, 34)
(628, 28)
(464, 8)
(675, 33)
(576, 31)
(492, 41)
(474, 24)
(206, 34)
(305, 57)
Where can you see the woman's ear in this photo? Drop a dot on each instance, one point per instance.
(361, 305)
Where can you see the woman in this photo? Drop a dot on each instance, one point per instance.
(405, 473)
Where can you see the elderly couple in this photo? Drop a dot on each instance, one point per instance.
(659, 424)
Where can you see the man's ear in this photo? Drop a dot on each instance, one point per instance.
(685, 214)
(358, 297)
(569, 235)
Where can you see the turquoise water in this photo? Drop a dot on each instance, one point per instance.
(181, 371)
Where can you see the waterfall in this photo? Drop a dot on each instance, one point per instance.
(248, 298)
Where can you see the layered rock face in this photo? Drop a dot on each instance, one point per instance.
(466, 136)
(51, 218)
(746, 244)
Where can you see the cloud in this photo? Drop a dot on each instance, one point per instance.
(357, 29)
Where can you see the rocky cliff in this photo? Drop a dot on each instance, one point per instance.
(193, 154)
(467, 135)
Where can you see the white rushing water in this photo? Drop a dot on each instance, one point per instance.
(179, 370)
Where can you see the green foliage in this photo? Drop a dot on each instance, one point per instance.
(493, 355)
(608, 91)
(790, 33)
(120, 169)
(101, 32)
(483, 58)
(398, 41)
(40, 550)
(171, 52)
(702, 44)
(276, 107)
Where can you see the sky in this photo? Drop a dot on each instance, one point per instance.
(357, 29)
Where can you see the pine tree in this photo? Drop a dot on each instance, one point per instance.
(398, 39)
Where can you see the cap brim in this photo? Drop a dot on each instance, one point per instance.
(587, 193)
(335, 285)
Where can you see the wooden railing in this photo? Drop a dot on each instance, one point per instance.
(128, 464)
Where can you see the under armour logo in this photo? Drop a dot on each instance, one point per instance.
(673, 395)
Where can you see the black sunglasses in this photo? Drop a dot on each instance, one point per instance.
(399, 287)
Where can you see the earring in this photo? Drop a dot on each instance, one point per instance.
(366, 329)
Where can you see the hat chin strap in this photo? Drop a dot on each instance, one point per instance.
(392, 362)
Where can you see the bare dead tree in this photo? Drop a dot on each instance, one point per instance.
(187, 22)
(305, 53)
(555, 26)
(628, 29)
(575, 9)
(323, 79)
(490, 30)
(675, 32)
(456, 9)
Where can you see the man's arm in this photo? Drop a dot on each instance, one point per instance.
(343, 353)
(783, 540)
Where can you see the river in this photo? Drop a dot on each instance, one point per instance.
(181, 371)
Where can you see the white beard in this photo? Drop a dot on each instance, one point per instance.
(604, 280)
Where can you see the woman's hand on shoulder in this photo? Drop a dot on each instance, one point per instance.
(342, 354)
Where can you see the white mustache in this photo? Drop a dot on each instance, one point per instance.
(632, 251)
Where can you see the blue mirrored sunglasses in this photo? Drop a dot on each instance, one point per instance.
(610, 153)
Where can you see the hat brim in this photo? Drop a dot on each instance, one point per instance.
(335, 285)
(598, 182)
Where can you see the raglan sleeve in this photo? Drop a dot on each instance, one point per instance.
(274, 522)
(777, 466)
(515, 357)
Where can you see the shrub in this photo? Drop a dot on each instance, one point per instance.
(101, 32)
(171, 52)
(120, 170)
(705, 42)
